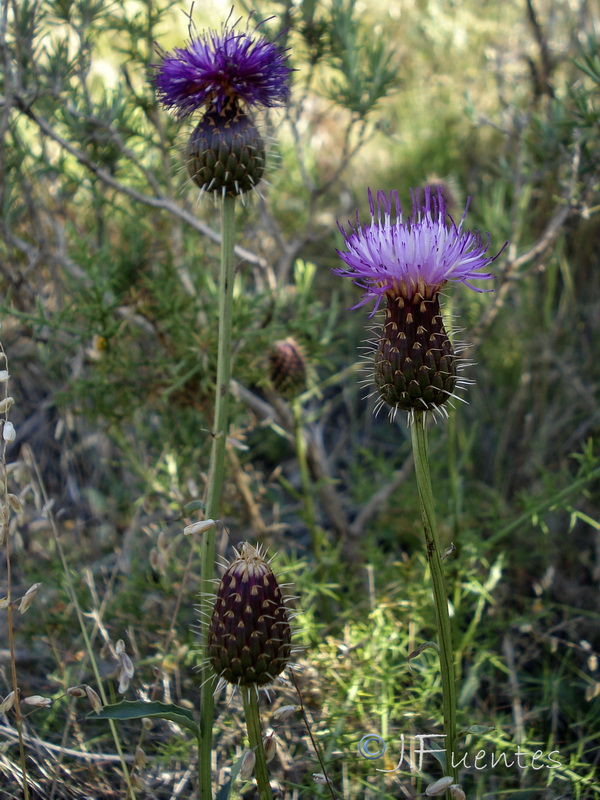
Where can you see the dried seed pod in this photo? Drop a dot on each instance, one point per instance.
(7, 703)
(28, 597)
(249, 634)
(199, 527)
(248, 762)
(284, 712)
(37, 700)
(270, 747)
(94, 699)
(439, 787)
(76, 691)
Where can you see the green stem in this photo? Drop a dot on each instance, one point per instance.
(252, 714)
(419, 443)
(307, 489)
(215, 476)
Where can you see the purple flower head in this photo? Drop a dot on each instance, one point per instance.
(397, 257)
(215, 69)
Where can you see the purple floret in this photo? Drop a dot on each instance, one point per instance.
(217, 68)
(395, 256)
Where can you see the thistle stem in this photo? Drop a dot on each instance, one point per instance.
(432, 543)
(252, 714)
(216, 475)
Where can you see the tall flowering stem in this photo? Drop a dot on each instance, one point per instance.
(403, 264)
(216, 472)
(225, 76)
(432, 544)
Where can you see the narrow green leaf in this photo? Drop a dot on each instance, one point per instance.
(225, 790)
(137, 709)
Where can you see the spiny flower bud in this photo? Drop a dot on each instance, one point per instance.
(287, 368)
(226, 153)
(415, 365)
(249, 634)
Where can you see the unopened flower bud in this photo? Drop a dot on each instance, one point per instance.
(319, 778)
(28, 597)
(3, 375)
(249, 633)
(94, 699)
(456, 791)
(37, 700)
(76, 691)
(248, 762)
(439, 787)
(287, 368)
(8, 432)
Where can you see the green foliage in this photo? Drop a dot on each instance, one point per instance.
(137, 709)
(108, 265)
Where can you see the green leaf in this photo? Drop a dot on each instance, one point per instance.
(478, 729)
(225, 790)
(137, 709)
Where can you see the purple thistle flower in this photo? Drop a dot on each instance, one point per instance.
(421, 254)
(216, 69)
(416, 367)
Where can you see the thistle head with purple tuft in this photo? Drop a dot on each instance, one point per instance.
(227, 75)
(406, 263)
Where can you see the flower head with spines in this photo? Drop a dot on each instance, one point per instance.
(227, 75)
(407, 262)
(249, 634)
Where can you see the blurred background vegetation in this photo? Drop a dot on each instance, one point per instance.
(108, 267)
